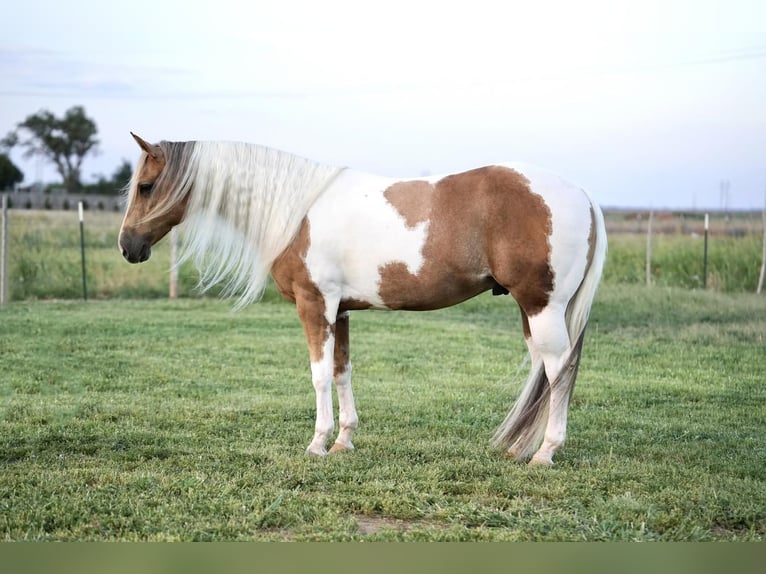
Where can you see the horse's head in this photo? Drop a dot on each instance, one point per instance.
(154, 204)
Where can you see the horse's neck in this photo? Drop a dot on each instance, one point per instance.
(261, 195)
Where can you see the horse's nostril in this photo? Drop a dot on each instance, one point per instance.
(124, 253)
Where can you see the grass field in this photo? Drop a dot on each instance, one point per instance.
(160, 420)
(44, 256)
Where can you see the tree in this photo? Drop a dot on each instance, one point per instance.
(116, 184)
(122, 175)
(64, 141)
(10, 175)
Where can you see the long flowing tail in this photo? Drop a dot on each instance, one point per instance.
(523, 429)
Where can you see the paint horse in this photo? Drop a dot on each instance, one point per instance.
(337, 240)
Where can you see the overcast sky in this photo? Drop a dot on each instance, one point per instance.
(646, 103)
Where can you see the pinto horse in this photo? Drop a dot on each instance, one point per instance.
(337, 240)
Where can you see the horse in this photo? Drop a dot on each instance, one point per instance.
(336, 240)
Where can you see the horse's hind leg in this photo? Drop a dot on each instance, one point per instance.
(516, 450)
(549, 336)
(347, 418)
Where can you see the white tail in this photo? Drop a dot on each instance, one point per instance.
(523, 429)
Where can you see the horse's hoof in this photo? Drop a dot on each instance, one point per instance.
(338, 447)
(514, 458)
(316, 454)
(541, 462)
(514, 455)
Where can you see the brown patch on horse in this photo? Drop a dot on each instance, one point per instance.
(294, 283)
(525, 324)
(342, 355)
(486, 228)
(412, 199)
(351, 304)
(289, 269)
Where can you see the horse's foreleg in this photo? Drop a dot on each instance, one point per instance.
(320, 336)
(348, 418)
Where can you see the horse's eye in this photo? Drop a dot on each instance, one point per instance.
(145, 188)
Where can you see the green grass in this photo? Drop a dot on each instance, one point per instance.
(159, 420)
(678, 261)
(44, 260)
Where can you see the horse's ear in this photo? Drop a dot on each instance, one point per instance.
(152, 150)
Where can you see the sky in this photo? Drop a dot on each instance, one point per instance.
(651, 104)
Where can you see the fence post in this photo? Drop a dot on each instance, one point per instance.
(704, 263)
(649, 250)
(4, 252)
(82, 250)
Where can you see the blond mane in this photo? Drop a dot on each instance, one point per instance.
(246, 205)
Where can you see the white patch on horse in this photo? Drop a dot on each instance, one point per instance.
(569, 207)
(322, 376)
(347, 416)
(347, 252)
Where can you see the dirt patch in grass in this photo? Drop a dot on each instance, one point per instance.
(371, 525)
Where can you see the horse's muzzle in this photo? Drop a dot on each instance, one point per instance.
(135, 249)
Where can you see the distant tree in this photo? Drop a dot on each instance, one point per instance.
(122, 175)
(115, 184)
(63, 141)
(10, 175)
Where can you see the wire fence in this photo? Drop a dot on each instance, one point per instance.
(62, 201)
(60, 254)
